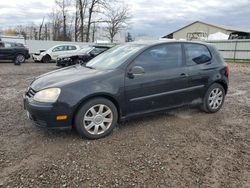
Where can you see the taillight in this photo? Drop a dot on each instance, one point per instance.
(227, 71)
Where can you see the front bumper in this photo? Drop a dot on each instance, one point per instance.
(37, 57)
(62, 62)
(44, 114)
(27, 56)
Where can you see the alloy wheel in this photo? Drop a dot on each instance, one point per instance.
(215, 98)
(98, 119)
(20, 58)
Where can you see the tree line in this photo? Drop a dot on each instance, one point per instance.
(78, 20)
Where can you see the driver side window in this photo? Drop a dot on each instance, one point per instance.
(160, 57)
(59, 48)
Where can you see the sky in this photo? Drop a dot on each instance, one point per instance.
(148, 17)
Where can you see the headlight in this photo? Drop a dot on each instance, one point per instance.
(67, 59)
(47, 95)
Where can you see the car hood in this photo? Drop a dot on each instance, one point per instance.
(61, 77)
(71, 54)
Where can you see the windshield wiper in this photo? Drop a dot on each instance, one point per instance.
(89, 67)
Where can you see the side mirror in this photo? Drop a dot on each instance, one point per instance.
(136, 70)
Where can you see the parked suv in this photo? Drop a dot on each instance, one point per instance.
(13, 51)
(46, 56)
(127, 81)
(82, 56)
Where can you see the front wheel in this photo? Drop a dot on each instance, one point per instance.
(214, 98)
(46, 59)
(20, 58)
(78, 61)
(96, 118)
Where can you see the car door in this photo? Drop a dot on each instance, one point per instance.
(2, 51)
(6, 51)
(198, 62)
(59, 50)
(162, 82)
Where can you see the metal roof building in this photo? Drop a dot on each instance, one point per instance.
(199, 27)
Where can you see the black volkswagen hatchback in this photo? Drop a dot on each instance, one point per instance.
(128, 80)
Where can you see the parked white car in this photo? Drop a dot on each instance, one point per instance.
(52, 53)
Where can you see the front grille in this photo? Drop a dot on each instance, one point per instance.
(30, 93)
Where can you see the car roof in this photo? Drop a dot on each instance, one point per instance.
(65, 45)
(98, 46)
(10, 42)
(13, 43)
(155, 42)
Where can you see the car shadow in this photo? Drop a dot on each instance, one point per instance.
(183, 113)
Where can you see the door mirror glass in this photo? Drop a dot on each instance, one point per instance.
(137, 70)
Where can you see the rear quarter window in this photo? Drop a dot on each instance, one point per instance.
(197, 54)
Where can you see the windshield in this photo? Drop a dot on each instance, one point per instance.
(86, 49)
(114, 57)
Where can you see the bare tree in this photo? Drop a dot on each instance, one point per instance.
(21, 30)
(63, 5)
(40, 30)
(81, 25)
(56, 24)
(35, 33)
(76, 19)
(94, 29)
(82, 13)
(94, 6)
(117, 18)
(46, 32)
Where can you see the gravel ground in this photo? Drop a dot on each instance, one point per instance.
(180, 148)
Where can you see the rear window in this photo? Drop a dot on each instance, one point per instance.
(197, 54)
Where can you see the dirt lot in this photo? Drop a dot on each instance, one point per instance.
(181, 148)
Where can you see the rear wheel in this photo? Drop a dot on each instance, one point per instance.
(96, 118)
(214, 98)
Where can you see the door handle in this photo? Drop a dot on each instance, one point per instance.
(184, 75)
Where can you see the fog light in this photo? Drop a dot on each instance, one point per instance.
(64, 117)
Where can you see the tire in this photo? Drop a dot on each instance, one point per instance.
(20, 58)
(78, 61)
(69, 63)
(75, 61)
(46, 59)
(81, 62)
(214, 98)
(96, 118)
